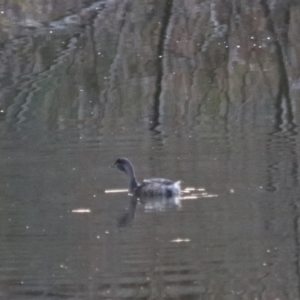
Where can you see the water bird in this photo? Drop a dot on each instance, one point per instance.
(149, 187)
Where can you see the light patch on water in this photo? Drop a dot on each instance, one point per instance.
(189, 197)
(189, 189)
(192, 193)
(179, 240)
(63, 266)
(81, 211)
(198, 196)
(116, 191)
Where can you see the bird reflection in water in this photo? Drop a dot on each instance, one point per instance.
(159, 203)
(150, 204)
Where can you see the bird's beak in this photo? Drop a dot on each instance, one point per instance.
(113, 166)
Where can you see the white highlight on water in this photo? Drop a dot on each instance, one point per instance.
(116, 191)
(179, 240)
(81, 210)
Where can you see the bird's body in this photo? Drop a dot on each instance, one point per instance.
(158, 187)
(149, 187)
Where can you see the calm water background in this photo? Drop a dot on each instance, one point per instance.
(202, 91)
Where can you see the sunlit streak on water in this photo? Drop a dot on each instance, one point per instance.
(189, 197)
(187, 189)
(81, 211)
(190, 189)
(179, 240)
(191, 193)
(116, 191)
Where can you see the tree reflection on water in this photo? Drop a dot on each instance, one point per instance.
(203, 91)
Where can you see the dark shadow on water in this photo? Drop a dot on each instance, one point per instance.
(127, 217)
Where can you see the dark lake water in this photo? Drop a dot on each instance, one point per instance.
(206, 92)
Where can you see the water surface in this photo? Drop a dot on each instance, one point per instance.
(200, 91)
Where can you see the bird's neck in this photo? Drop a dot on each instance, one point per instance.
(133, 182)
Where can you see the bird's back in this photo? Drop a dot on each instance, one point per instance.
(158, 187)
